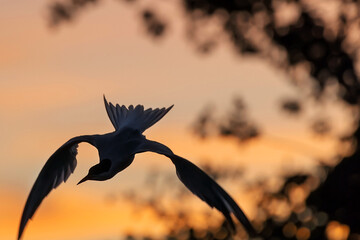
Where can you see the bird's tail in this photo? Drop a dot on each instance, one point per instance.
(134, 117)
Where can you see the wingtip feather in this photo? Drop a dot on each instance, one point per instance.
(20, 232)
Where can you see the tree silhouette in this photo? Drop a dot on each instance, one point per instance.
(318, 48)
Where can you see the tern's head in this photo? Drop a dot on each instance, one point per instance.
(99, 171)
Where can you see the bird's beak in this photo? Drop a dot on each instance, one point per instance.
(84, 179)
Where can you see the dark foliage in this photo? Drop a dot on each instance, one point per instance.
(154, 25)
(321, 127)
(291, 106)
(235, 124)
(66, 11)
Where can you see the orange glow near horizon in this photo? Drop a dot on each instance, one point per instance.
(74, 216)
(72, 210)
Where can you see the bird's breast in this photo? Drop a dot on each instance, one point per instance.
(121, 164)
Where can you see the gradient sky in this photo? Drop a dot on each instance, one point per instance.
(51, 87)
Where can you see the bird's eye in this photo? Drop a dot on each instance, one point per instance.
(103, 166)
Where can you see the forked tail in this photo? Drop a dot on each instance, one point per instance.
(134, 117)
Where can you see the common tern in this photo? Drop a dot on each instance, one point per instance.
(117, 150)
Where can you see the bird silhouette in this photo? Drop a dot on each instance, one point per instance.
(117, 150)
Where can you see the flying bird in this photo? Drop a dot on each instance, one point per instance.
(117, 150)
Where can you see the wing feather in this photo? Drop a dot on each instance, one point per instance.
(56, 170)
(200, 184)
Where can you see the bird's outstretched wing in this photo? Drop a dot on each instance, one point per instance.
(55, 171)
(202, 185)
(135, 118)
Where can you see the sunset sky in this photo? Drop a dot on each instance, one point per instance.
(51, 87)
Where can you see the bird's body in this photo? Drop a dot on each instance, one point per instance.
(116, 152)
(119, 148)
